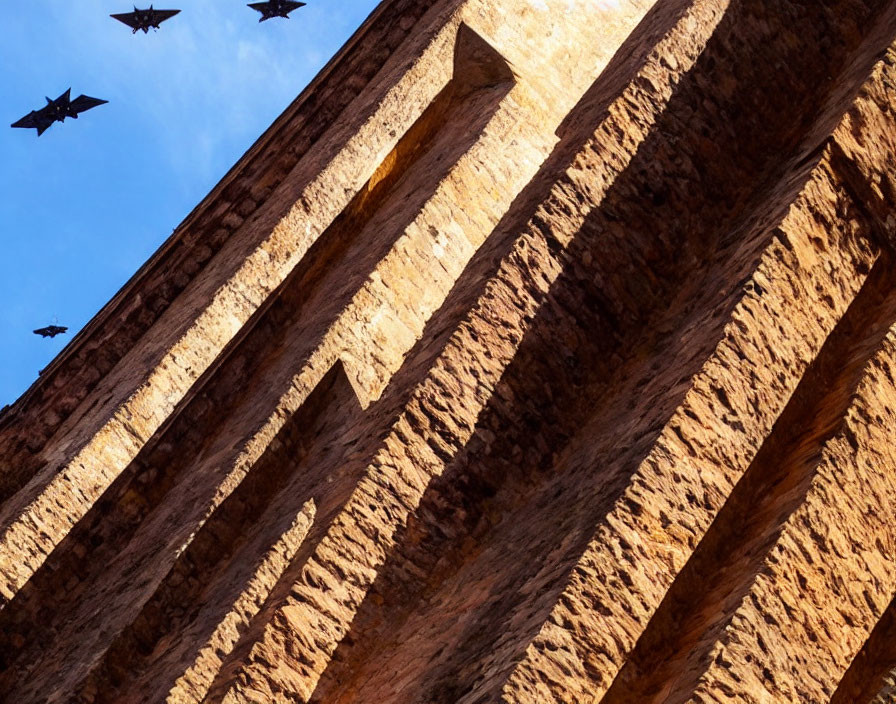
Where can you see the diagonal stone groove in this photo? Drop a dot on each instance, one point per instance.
(29, 519)
(730, 555)
(542, 351)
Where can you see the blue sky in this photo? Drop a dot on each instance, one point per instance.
(84, 205)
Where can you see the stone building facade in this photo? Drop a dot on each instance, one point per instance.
(541, 351)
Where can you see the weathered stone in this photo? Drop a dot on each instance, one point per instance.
(542, 351)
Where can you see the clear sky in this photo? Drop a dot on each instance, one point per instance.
(84, 205)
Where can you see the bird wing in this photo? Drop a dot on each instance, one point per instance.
(43, 332)
(84, 102)
(162, 15)
(44, 125)
(36, 119)
(262, 7)
(129, 18)
(290, 6)
(32, 119)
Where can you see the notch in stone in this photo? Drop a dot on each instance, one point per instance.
(477, 64)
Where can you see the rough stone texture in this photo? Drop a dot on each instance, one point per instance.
(542, 351)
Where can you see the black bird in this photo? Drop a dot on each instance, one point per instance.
(275, 8)
(50, 331)
(145, 19)
(57, 110)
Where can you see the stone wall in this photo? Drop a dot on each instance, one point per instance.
(542, 351)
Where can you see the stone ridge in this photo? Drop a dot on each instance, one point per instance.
(541, 351)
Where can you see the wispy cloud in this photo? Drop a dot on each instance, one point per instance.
(207, 78)
(83, 206)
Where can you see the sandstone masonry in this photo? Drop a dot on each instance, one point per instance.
(541, 351)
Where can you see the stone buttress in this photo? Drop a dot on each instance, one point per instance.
(541, 351)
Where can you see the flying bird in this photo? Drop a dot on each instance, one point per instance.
(57, 110)
(50, 331)
(275, 8)
(145, 19)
